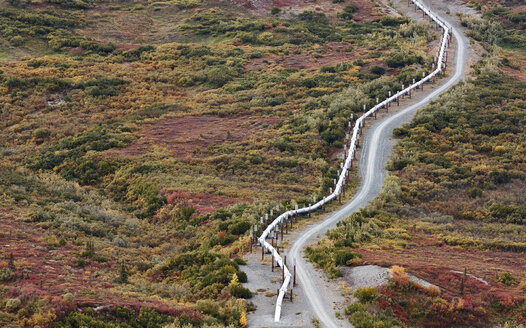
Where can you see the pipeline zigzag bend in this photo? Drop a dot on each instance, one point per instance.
(441, 59)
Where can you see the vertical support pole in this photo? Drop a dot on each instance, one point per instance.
(272, 263)
(262, 252)
(291, 294)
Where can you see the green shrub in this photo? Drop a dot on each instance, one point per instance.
(6, 274)
(242, 276)
(12, 304)
(506, 278)
(379, 70)
(342, 257)
(365, 294)
(240, 291)
(475, 192)
(185, 212)
(398, 59)
(239, 228)
(401, 132)
(499, 177)
(347, 12)
(239, 261)
(218, 76)
(209, 307)
(354, 307)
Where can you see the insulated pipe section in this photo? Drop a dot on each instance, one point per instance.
(352, 149)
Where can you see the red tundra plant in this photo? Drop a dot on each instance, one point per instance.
(62, 305)
(467, 303)
(25, 293)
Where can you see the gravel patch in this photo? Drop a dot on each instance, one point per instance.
(374, 276)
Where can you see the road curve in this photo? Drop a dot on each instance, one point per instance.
(373, 157)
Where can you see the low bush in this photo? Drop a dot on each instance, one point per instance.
(6, 274)
(240, 291)
(506, 278)
(365, 294)
(12, 304)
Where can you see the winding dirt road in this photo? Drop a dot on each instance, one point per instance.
(373, 157)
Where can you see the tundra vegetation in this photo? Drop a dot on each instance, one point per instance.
(452, 208)
(141, 141)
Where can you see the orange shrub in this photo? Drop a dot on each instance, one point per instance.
(400, 277)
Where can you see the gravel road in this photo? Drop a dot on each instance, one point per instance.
(376, 148)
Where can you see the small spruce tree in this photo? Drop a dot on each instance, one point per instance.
(11, 263)
(123, 277)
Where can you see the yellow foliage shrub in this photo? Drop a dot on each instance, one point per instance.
(243, 319)
(433, 290)
(399, 276)
(499, 149)
(480, 169)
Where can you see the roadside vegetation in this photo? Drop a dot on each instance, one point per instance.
(451, 210)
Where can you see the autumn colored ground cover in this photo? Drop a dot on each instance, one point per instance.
(451, 212)
(139, 147)
(452, 209)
